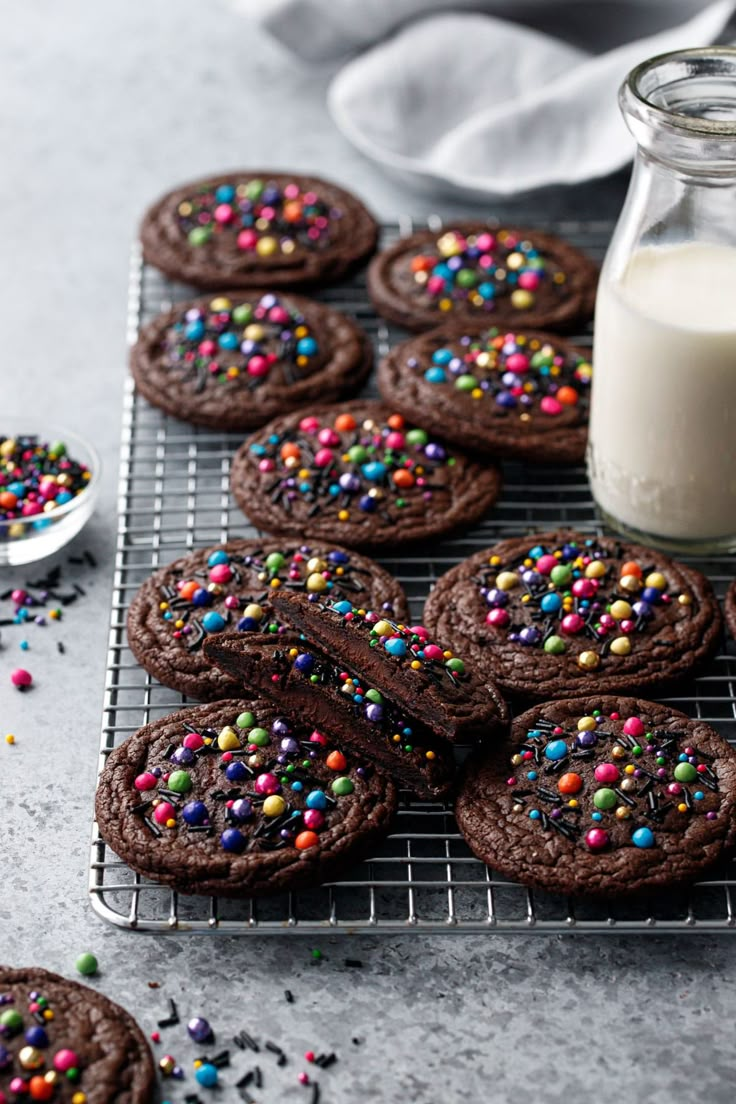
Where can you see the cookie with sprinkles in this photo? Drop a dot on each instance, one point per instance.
(514, 393)
(469, 273)
(240, 799)
(256, 229)
(324, 692)
(235, 361)
(230, 587)
(361, 473)
(426, 679)
(564, 613)
(602, 796)
(63, 1042)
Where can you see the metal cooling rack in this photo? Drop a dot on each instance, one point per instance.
(173, 497)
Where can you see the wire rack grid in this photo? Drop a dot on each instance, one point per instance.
(173, 497)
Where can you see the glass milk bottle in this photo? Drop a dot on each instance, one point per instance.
(662, 452)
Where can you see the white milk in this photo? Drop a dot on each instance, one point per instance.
(662, 456)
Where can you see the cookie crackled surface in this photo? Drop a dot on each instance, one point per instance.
(468, 271)
(565, 613)
(256, 229)
(64, 1042)
(239, 799)
(360, 473)
(602, 795)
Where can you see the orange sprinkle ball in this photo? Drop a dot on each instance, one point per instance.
(570, 783)
(305, 840)
(336, 761)
(631, 568)
(422, 264)
(568, 396)
(292, 211)
(396, 421)
(290, 449)
(344, 423)
(187, 589)
(403, 478)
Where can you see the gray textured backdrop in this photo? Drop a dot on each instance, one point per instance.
(102, 107)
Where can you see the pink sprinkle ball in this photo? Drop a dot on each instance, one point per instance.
(328, 437)
(313, 819)
(596, 839)
(258, 366)
(247, 239)
(606, 772)
(267, 783)
(551, 406)
(65, 1060)
(303, 1078)
(21, 678)
(323, 457)
(266, 464)
(545, 564)
(634, 727)
(431, 651)
(163, 812)
(517, 363)
(498, 617)
(146, 781)
(309, 424)
(309, 1056)
(193, 741)
(221, 573)
(529, 281)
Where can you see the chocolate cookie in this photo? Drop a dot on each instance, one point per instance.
(238, 800)
(64, 1042)
(729, 608)
(468, 273)
(601, 795)
(425, 679)
(360, 472)
(258, 229)
(517, 393)
(304, 683)
(229, 586)
(232, 362)
(562, 613)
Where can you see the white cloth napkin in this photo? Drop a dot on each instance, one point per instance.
(474, 101)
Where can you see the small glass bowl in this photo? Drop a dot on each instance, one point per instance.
(24, 540)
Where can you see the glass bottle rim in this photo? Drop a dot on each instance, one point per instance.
(695, 125)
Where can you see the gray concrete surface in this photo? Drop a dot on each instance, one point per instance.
(103, 106)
